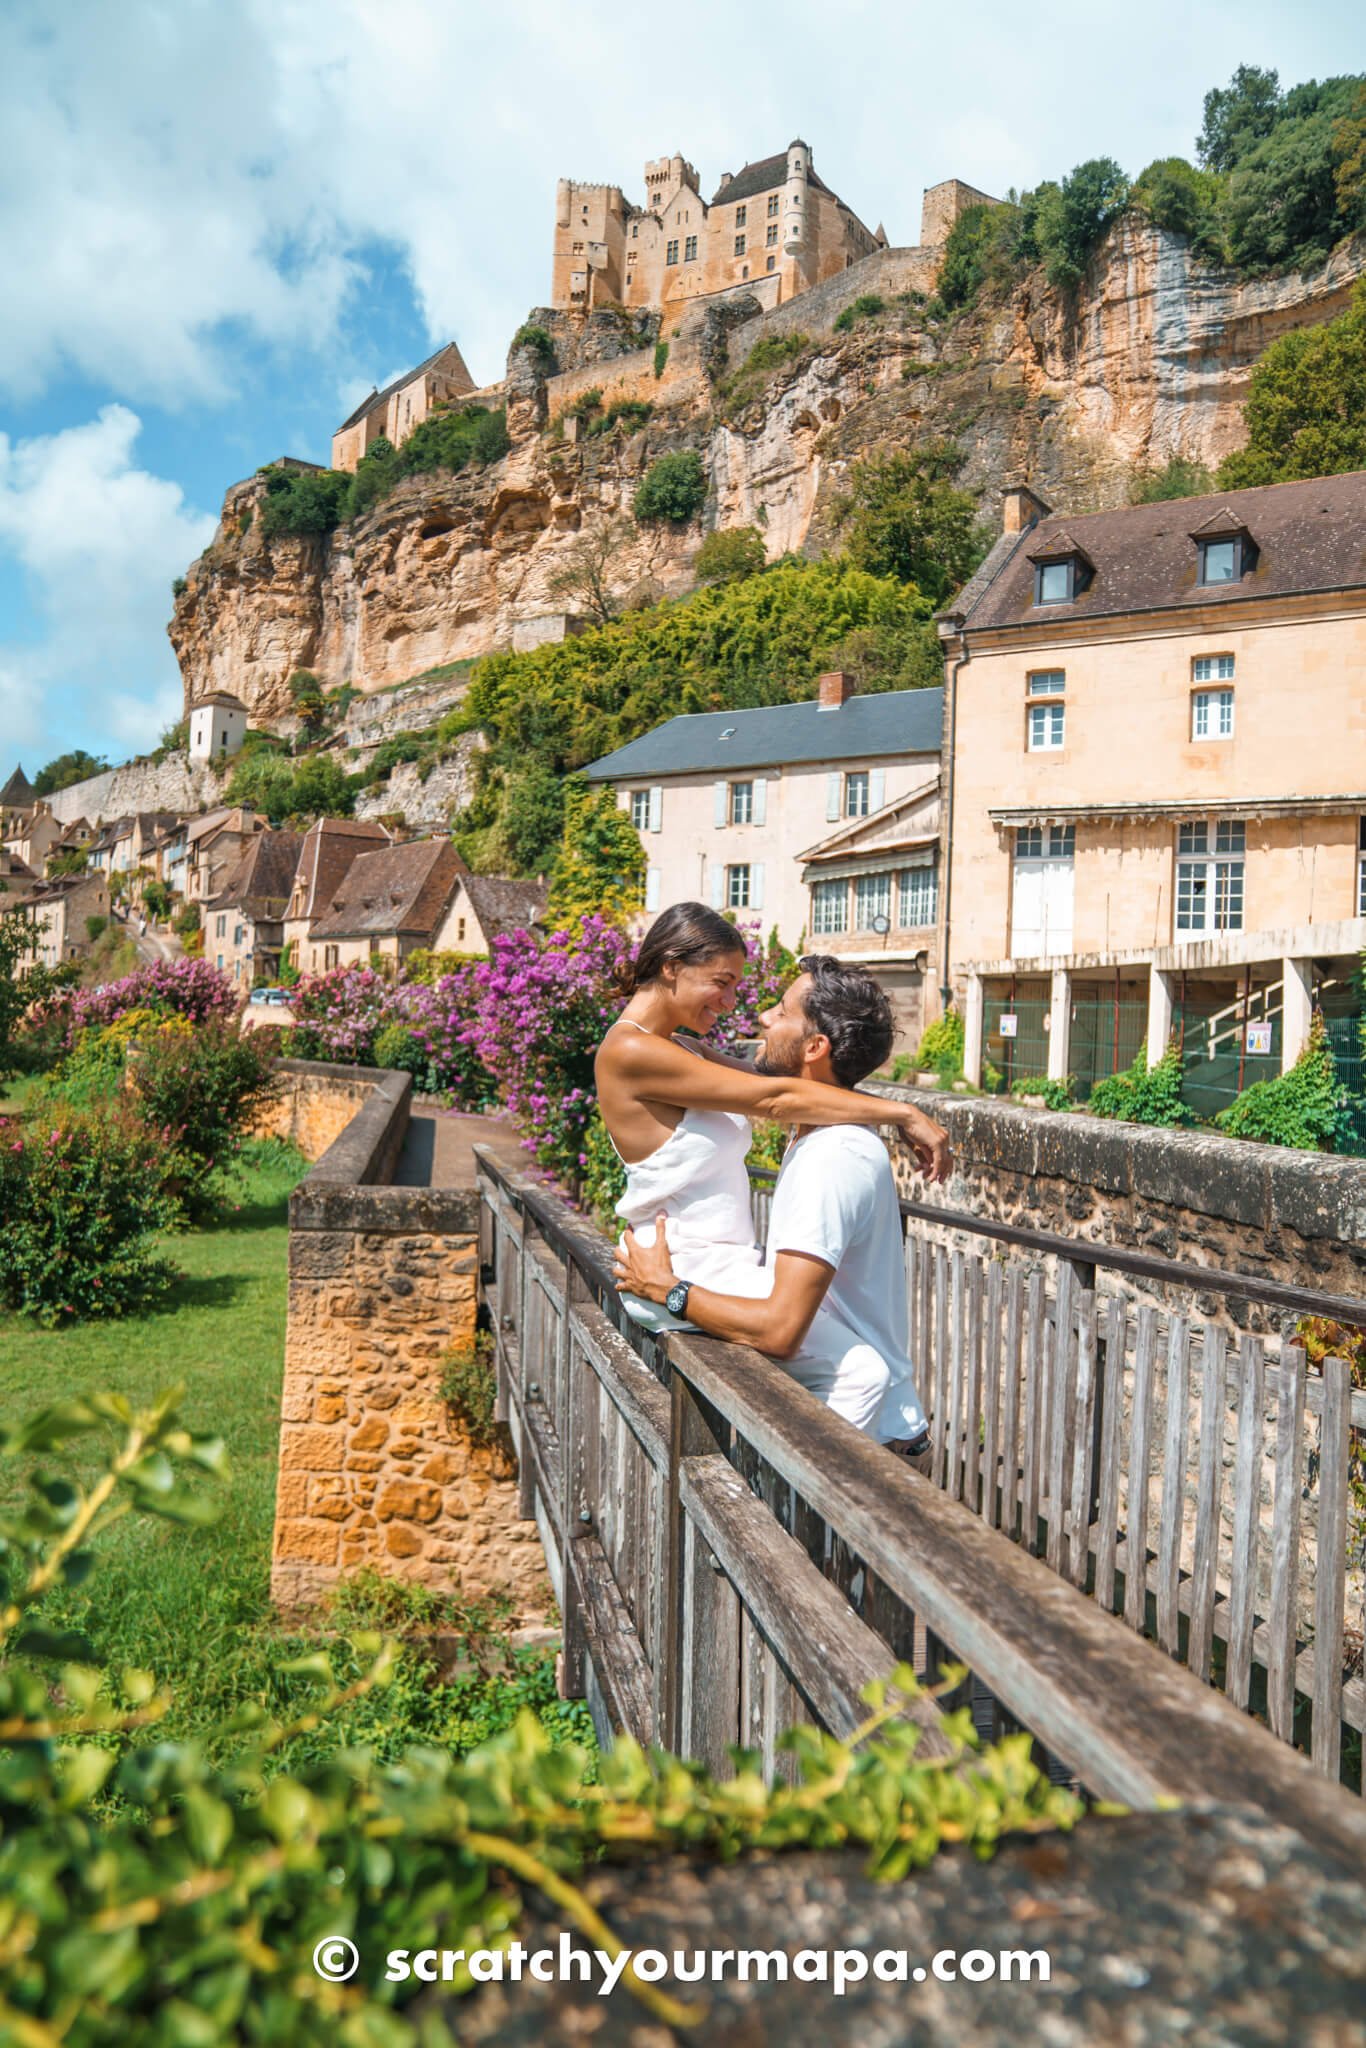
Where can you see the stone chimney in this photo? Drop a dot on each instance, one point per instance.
(1021, 508)
(725, 179)
(834, 689)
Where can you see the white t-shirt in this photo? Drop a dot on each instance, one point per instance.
(836, 1200)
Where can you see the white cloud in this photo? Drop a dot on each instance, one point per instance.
(98, 541)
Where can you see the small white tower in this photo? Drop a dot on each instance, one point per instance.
(218, 726)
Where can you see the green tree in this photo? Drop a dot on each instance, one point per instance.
(963, 266)
(156, 897)
(674, 489)
(303, 502)
(60, 773)
(903, 517)
(1349, 158)
(533, 818)
(18, 943)
(600, 866)
(307, 692)
(1238, 115)
(284, 790)
(1073, 216)
(1282, 205)
(1179, 477)
(1306, 405)
(72, 860)
(730, 555)
(1176, 196)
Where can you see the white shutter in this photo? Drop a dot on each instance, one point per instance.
(761, 800)
(756, 885)
(877, 789)
(652, 888)
(717, 877)
(657, 808)
(832, 795)
(718, 803)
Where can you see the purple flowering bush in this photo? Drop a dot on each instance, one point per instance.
(185, 988)
(354, 1015)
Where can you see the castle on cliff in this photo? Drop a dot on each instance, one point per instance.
(773, 230)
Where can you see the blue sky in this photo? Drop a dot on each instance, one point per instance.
(225, 219)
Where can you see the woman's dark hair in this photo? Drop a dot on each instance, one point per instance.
(849, 1007)
(688, 933)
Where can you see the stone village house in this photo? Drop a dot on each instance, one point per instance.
(330, 845)
(417, 895)
(1155, 745)
(59, 911)
(820, 819)
(244, 923)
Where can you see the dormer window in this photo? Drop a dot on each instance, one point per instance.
(1062, 570)
(1055, 583)
(1226, 548)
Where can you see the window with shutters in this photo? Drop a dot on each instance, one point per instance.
(919, 905)
(829, 908)
(872, 903)
(737, 887)
(856, 794)
(742, 803)
(640, 809)
(1209, 875)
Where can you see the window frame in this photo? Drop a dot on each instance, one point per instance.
(733, 885)
(1217, 699)
(742, 214)
(864, 885)
(926, 875)
(861, 778)
(1217, 868)
(736, 802)
(828, 893)
(1238, 553)
(739, 245)
(670, 253)
(1048, 717)
(640, 799)
(1069, 565)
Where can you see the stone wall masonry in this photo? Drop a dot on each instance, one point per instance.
(374, 1470)
(886, 272)
(175, 784)
(314, 1104)
(1276, 1214)
(633, 376)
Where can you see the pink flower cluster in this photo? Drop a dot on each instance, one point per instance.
(192, 988)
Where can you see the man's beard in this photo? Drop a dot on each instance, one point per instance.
(769, 1060)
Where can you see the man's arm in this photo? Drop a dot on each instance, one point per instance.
(776, 1324)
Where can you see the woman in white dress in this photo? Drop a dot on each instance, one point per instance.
(679, 1112)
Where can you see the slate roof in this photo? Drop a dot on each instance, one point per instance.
(503, 904)
(864, 728)
(18, 791)
(328, 850)
(397, 890)
(259, 883)
(762, 177)
(378, 397)
(1310, 536)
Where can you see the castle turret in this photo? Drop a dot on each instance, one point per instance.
(798, 226)
(562, 192)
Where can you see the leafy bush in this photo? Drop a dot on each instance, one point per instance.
(178, 586)
(1072, 217)
(156, 900)
(198, 1090)
(316, 502)
(600, 865)
(315, 787)
(1184, 201)
(187, 920)
(469, 1388)
(81, 1202)
(661, 357)
(1179, 477)
(189, 988)
(730, 556)
(340, 1016)
(177, 1891)
(1305, 410)
(94, 926)
(865, 307)
(303, 502)
(60, 773)
(941, 1047)
(904, 518)
(673, 489)
(1055, 1094)
(1306, 1107)
(1143, 1094)
(531, 336)
(399, 1050)
(93, 1070)
(963, 266)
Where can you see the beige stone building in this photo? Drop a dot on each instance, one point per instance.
(390, 903)
(819, 819)
(36, 837)
(329, 848)
(1156, 754)
(59, 911)
(773, 229)
(243, 924)
(486, 907)
(214, 844)
(391, 414)
(17, 805)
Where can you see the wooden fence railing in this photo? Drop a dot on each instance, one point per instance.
(1159, 1435)
(732, 1559)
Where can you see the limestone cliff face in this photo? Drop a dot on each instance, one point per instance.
(1151, 360)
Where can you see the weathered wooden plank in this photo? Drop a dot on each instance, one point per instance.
(611, 1639)
(941, 1366)
(1208, 1496)
(628, 1385)
(1330, 1574)
(972, 1401)
(1060, 1397)
(1285, 1542)
(1247, 1476)
(1140, 1448)
(830, 1654)
(1010, 1449)
(784, 1708)
(991, 1396)
(1036, 1334)
(1173, 1484)
(709, 1719)
(1083, 1437)
(1111, 1435)
(957, 1321)
(689, 1435)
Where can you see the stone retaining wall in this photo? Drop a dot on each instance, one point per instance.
(314, 1103)
(1294, 1217)
(374, 1470)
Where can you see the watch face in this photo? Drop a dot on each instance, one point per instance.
(676, 1300)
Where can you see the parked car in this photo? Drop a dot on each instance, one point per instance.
(270, 995)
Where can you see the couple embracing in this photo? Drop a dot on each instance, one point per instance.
(826, 1296)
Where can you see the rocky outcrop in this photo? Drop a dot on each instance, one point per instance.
(1150, 359)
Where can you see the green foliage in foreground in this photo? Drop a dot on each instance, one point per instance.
(1306, 1107)
(1144, 1095)
(730, 555)
(1179, 477)
(1054, 1094)
(941, 1047)
(147, 1892)
(1305, 409)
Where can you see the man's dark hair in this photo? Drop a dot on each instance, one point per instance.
(848, 1006)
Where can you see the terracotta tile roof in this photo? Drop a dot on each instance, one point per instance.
(503, 904)
(328, 850)
(1310, 536)
(397, 890)
(259, 883)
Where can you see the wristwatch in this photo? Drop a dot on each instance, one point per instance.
(676, 1300)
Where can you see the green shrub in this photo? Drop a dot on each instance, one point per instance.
(1055, 1094)
(94, 926)
(1305, 411)
(1307, 1107)
(187, 920)
(729, 556)
(199, 1091)
(303, 502)
(673, 489)
(661, 357)
(469, 1387)
(317, 501)
(1184, 201)
(1143, 1094)
(904, 517)
(535, 338)
(82, 1199)
(1179, 477)
(244, 523)
(178, 586)
(941, 1047)
(156, 897)
(396, 1047)
(962, 267)
(865, 307)
(602, 1177)
(626, 412)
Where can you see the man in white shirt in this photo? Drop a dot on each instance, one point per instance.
(837, 1317)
